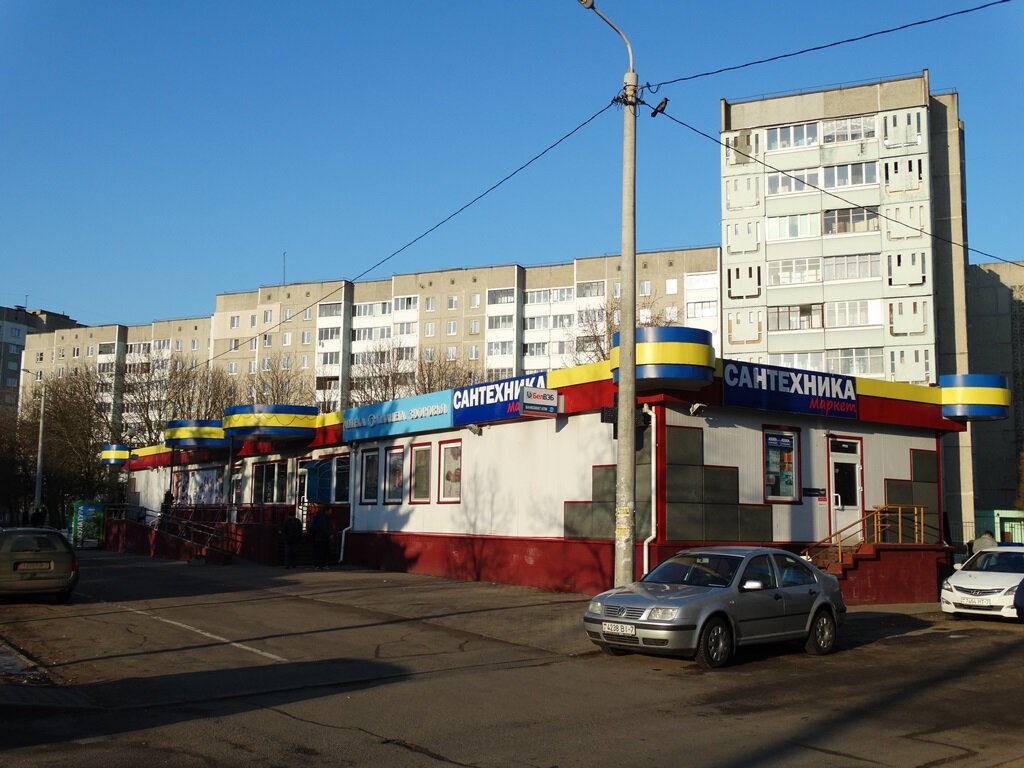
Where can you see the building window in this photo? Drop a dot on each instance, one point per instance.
(781, 465)
(501, 296)
(369, 476)
(793, 226)
(534, 349)
(794, 271)
(341, 478)
(671, 286)
(701, 309)
(474, 352)
(855, 361)
(429, 329)
(537, 297)
(537, 323)
(252, 321)
(791, 182)
(850, 175)
(268, 315)
(252, 366)
(234, 321)
(500, 322)
(270, 483)
(474, 327)
(590, 289)
(394, 476)
(451, 472)
(305, 361)
(474, 300)
(406, 302)
(451, 327)
(286, 339)
(849, 314)
(848, 129)
(268, 339)
(331, 309)
(499, 348)
(307, 313)
(451, 353)
(561, 321)
(798, 317)
(233, 345)
(845, 220)
(430, 304)
(232, 369)
(645, 288)
(453, 302)
(253, 343)
(419, 491)
(853, 267)
(786, 136)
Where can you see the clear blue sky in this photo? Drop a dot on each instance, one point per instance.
(154, 154)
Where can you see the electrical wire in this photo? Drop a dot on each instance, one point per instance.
(813, 49)
(833, 195)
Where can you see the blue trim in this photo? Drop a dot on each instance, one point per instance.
(695, 373)
(973, 380)
(974, 412)
(269, 432)
(291, 410)
(187, 423)
(114, 447)
(196, 442)
(668, 333)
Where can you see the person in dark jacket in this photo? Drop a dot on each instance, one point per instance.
(291, 536)
(1018, 600)
(320, 535)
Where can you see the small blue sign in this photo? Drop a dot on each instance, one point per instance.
(407, 415)
(770, 388)
(494, 401)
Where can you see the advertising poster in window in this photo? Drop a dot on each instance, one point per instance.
(780, 479)
(394, 473)
(451, 472)
(420, 491)
(370, 475)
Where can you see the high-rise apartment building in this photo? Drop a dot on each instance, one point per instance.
(16, 324)
(844, 239)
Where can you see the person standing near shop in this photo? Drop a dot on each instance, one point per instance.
(985, 541)
(291, 535)
(320, 535)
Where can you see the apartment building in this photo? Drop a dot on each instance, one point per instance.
(16, 324)
(496, 321)
(844, 239)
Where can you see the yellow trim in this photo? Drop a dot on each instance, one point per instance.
(270, 420)
(193, 433)
(151, 450)
(329, 419)
(580, 374)
(123, 455)
(669, 353)
(895, 390)
(976, 396)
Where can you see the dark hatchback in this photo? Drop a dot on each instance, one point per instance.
(37, 561)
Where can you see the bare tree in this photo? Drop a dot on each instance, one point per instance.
(277, 382)
(592, 338)
(434, 374)
(199, 390)
(384, 372)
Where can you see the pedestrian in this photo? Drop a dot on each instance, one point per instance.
(291, 537)
(1018, 600)
(320, 535)
(985, 541)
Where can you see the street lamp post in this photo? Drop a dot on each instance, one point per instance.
(625, 475)
(37, 502)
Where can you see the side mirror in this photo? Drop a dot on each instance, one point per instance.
(752, 585)
(957, 566)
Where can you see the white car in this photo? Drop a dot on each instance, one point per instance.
(986, 584)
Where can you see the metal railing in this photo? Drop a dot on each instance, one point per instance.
(885, 524)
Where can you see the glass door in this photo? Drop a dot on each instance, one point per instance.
(844, 456)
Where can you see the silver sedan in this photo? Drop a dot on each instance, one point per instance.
(707, 602)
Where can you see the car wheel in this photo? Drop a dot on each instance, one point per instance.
(822, 637)
(714, 649)
(611, 650)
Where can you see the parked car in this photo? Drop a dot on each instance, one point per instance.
(37, 561)
(985, 585)
(706, 602)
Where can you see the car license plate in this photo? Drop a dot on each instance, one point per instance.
(614, 628)
(981, 601)
(33, 565)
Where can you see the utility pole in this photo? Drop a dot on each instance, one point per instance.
(625, 474)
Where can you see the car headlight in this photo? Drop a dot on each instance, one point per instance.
(946, 586)
(1011, 591)
(595, 607)
(664, 614)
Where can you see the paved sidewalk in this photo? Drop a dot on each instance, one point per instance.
(550, 621)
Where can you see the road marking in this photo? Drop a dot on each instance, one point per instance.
(203, 633)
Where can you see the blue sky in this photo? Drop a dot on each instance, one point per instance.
(154, 154)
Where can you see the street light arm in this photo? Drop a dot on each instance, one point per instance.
(589, 5)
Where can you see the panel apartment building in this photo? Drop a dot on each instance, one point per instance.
(844, 239)
(501, 321)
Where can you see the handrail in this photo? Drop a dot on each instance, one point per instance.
(885, 524)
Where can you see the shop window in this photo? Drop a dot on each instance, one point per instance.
(781, 465)
(451, 472)
(394, 476)
(370, 477)
(419, 492)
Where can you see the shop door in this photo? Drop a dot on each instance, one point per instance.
(844, 456)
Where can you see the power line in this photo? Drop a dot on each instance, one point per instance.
(827, 192)
(779, 57)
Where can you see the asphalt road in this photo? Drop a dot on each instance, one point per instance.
(176, 664)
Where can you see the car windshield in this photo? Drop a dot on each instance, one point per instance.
(992, 560)
(697, 569)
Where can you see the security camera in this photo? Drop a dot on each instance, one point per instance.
(475, 429)
(697, 409)
(588, 4)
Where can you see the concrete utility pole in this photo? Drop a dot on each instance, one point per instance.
(625, 475)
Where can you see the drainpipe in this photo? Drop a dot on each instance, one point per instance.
(654, 488)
